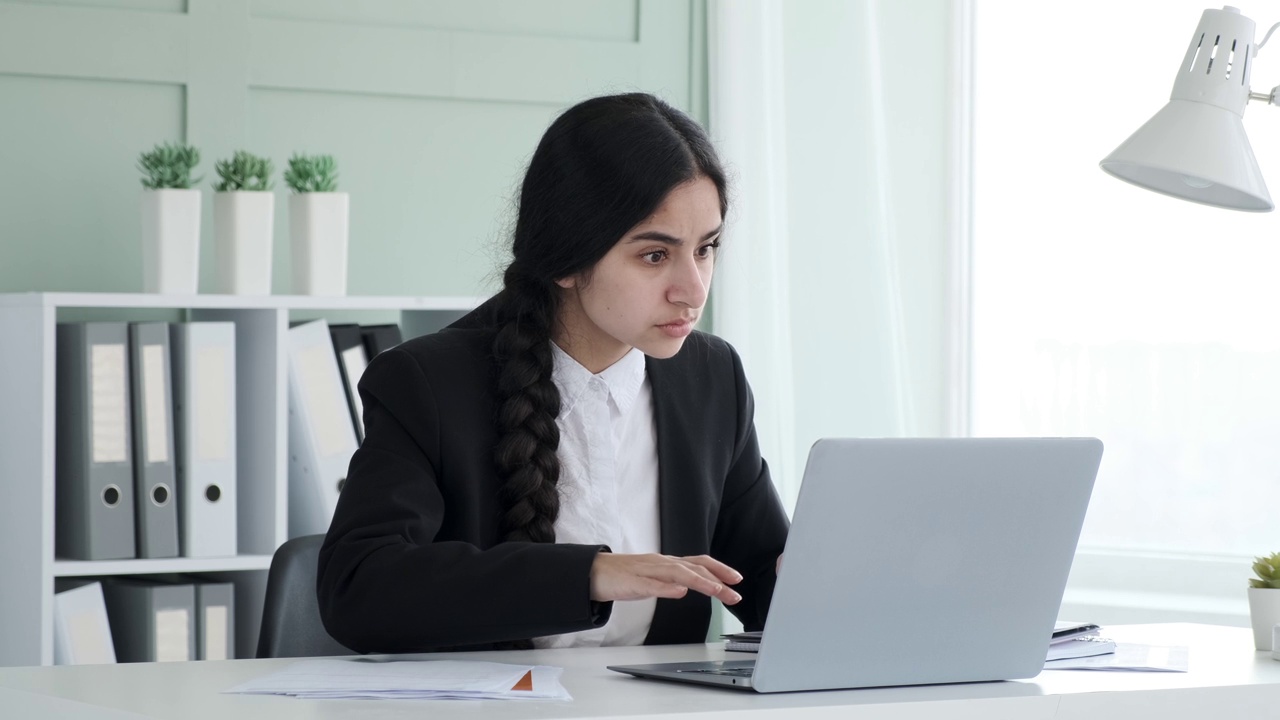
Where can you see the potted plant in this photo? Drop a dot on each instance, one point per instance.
(170, 220)
(1264, 599)
(243, 220)
(318, 218)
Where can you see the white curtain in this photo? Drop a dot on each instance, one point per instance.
(752, 296)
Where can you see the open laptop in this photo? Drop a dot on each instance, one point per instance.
(917, 561)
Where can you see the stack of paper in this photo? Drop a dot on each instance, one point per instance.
(405, 679)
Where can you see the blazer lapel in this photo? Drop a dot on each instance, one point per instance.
(682, 507)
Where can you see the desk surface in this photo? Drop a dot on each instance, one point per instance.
(1226, 674)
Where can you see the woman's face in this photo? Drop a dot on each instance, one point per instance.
(648, 291)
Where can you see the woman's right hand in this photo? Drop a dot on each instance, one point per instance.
(636, 577)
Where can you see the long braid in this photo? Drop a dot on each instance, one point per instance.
(528, 404)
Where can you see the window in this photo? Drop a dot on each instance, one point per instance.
(1104, 309)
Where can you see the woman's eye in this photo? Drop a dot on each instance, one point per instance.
(655, 257)
(708, 250)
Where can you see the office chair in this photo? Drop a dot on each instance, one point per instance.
(291, 624)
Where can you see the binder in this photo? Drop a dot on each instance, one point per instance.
(151, 622)
(321, 437)
(81, 632)
(348, 345)
(204, 394)
(154, 480)
(380, 337)
(93, 467)
(215, 621)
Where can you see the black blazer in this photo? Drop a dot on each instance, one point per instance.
(414, 559)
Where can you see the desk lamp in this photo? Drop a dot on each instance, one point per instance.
(1196, 148)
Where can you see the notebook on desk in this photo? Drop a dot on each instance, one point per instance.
(902, 552)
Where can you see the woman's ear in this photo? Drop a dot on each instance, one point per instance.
(568, 283)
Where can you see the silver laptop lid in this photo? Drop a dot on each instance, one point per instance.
(915, 561)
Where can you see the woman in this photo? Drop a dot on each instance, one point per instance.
(561, 466)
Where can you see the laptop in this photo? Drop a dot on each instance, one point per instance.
(917, 561)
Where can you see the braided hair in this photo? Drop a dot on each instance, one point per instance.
(601, 168)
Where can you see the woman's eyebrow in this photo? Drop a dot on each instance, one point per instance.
(669, 239)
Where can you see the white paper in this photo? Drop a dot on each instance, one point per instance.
(215, 632)
(354, 363)
(396, 678)
(173, 635)
(212, 367)
(329, 416)
(155, 402)
(1132, 657)
(108, 411)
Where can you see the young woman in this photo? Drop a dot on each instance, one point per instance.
(561, 466)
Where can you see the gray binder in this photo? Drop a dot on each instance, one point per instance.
(93, 469)
(156, 509)
(151, 622)
(204, 392)
(321, 436)
(215, 621)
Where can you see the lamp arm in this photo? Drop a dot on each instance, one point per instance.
(1272, 98)
(1266, 37)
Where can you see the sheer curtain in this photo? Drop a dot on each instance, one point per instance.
(752, 289)
(836, 283)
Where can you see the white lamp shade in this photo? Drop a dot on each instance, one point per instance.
(1194, 151)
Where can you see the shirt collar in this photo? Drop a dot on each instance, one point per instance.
(623, 378)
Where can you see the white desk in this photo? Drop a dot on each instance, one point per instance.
(1228, 679)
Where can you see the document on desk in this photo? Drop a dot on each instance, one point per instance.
(1131, 657)
(406, 679)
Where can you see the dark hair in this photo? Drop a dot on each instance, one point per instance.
(602, 167)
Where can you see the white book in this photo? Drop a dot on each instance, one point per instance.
(81, 632)
(321, 436)
(204, 396)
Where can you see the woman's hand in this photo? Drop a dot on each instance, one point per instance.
(635, 577)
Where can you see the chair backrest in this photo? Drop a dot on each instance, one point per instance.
(291, 624)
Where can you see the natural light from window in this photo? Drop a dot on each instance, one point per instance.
(1107, 310)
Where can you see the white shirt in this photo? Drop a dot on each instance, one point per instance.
(608, 478)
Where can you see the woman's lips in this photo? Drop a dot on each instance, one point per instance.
(678, 329)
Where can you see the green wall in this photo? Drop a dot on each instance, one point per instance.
(431, 109)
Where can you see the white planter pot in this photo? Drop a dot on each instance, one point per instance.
(171, 241)
(243, 222)
(318, 237)
(1264, 612)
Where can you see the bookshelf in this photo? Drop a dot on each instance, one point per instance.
(28, 568)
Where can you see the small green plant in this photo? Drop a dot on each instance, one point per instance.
(311, 173)
(244, 171)
(169, 166)
(1267, 568)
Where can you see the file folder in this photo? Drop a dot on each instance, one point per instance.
(81, 632)
(215, 621)
(155, 506)
(151, 622)
(321, 436)
(204, 391)
(348, 345)
(93, 467)
(380, 337)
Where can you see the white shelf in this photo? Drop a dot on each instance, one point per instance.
(236, 302)
(82, 568)
(28, 323)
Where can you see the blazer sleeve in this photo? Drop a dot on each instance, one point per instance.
(387, 583)
(751, 529)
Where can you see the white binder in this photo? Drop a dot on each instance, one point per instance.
(204, 395)
(321, 437)
(81, 633)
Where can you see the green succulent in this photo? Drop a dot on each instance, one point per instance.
(169, 166)
(244, 171)
(1267, 568)
(311, 173)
